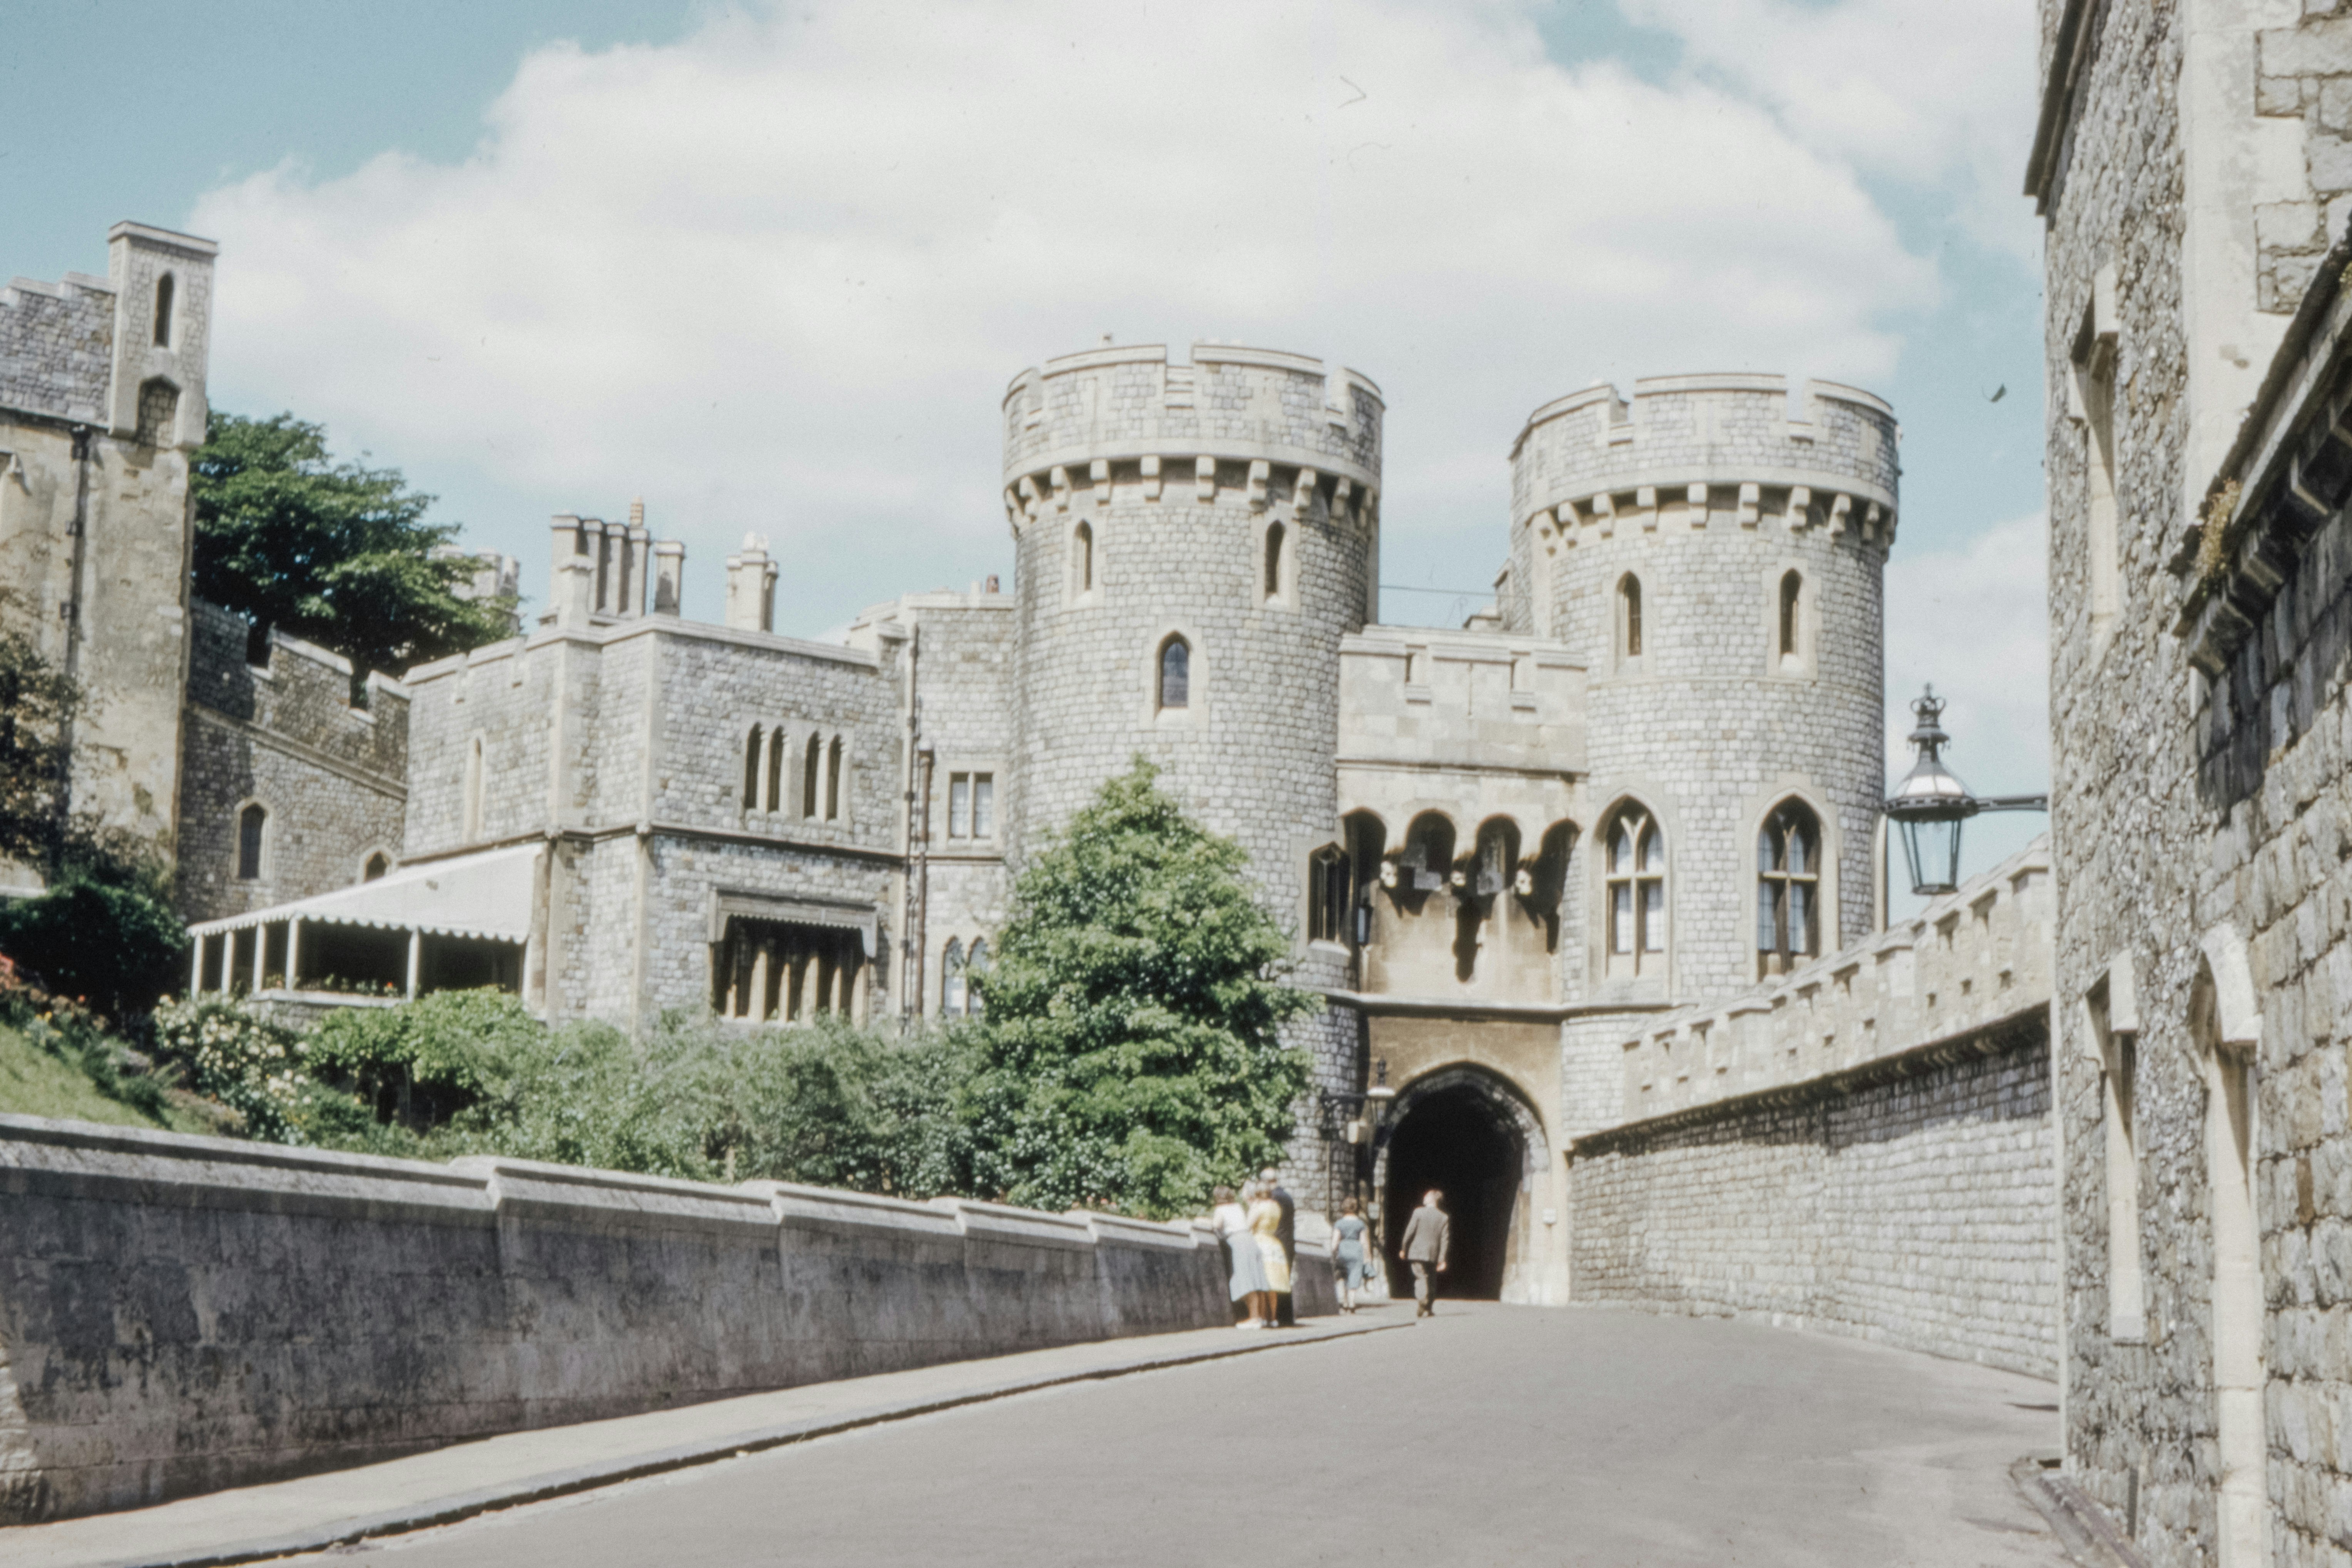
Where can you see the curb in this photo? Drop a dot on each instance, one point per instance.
(451, 1507)
(2087, 1530)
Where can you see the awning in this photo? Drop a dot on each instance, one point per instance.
(863, 919)
(486, 895)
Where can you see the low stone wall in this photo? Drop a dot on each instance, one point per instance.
(179, 1314)
(1909, 1200)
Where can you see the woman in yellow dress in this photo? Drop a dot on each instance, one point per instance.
(1265, 1224)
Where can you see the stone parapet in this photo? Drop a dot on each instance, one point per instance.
(1254, 419)
(1695, 452)
(375, 1307)
(1974, 959)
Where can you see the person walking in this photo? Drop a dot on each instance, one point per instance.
(1245, 1264)
(1286, 1312)
(1424, 1251)
(1351, 1263)
(1265, 1223)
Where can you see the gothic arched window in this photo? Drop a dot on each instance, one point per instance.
(812, 759)
(1788, 889)
(1175, 673)
(1637, 892)
(976, 968)
(832, 781)
(952, 982)
(776, 764)
(751, 769)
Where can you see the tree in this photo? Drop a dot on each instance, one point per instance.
(335, 553)
(38, 705)
(1129, 1043)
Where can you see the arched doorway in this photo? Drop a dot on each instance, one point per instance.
(1465, 1134)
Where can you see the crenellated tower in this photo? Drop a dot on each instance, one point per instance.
(1192, 541)
(1714, 548)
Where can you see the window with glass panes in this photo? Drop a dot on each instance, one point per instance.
(972, 805)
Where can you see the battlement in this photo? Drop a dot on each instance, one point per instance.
(128, 351)
(1699, 451)
(1129, 415)
(1967, 964)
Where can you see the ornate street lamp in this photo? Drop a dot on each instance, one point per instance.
(1928, 806)
(1361, 1132)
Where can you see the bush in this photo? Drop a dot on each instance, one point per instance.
(74, 1036)
(247, 1063)
(828, 1104)
(421, 1063)
(113, 948)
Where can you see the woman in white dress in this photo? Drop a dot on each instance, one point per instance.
(1247, 1282)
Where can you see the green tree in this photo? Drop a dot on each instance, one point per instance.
(38, 705)
(1129, 1049)
(335, 553)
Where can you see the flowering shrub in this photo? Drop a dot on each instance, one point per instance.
(247, 1063)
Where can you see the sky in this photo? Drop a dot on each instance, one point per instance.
(771, 267)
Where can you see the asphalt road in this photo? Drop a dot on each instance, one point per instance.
(1491, 1435)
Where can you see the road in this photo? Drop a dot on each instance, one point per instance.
(1490, 1434)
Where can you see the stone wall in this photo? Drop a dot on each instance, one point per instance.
(1864, 1146)
(285, 735)
(1707, 491)
(1911, 1205)
(182, 1314)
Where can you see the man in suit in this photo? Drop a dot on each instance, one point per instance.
(1424, 1251)
(1286, 1314)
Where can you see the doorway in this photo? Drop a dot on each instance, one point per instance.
(1456, 1140)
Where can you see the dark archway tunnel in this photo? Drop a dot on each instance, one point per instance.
(1455, 1141)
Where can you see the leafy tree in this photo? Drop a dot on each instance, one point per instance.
(38, 705)
(335, 553)
(1128, 1047)
(113, 948)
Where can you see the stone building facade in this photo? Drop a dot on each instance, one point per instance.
(286, 788)
(2190, 167)
(101, 400)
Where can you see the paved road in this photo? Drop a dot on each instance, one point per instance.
(1492, 1435)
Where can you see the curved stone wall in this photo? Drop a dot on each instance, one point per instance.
(1170, 476)
(1707, 492)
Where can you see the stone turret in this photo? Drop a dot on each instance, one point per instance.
(1713, 549)
(1223, 516)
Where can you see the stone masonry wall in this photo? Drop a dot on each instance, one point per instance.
(1707, 491)
(330, 776)
(1178, 471)
(56, 345)
(372, 1308)
(1915, 1211)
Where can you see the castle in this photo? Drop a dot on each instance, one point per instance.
(1647, 778)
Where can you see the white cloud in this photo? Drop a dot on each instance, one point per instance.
(1928, 92)
(776, 275)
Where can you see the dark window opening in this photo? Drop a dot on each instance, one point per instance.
(832, 781)
(751, 769)
(163, 312)
(1274, 561)
(249, 825)
(1176, 674)
(1629, 593)
(1791, 588)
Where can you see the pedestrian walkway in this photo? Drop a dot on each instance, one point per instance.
(467, 1478)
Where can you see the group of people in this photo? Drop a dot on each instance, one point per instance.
(1258, 1227)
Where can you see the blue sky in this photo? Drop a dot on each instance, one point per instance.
(772, 268)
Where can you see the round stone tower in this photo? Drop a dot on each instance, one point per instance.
(1714, 547)
(1192, 541)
